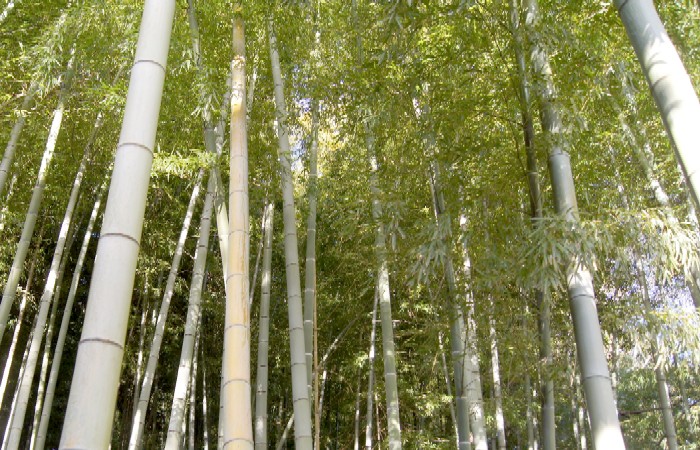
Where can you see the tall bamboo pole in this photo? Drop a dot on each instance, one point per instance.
(137, 427)
(300, 393)
(192, 322)
(237, 414)
(63, 331)
(548, 428)
(261, 382)
(10, 290)
(669, 83)
(47, 297)
(93, 395)
(26, 296)
(605, 425)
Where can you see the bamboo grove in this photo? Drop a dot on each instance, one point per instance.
(350, 224)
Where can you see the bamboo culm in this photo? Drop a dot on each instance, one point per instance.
(236, 395)
(26, 296)
(44, 305)
(191, 324)
(383, 289)
(300, 392)
(63, 331)
(548, 427)
(370, 377)
(261, 381)
(93, 394)
(48, 342)
(670, 85)
(137, 426)
(605, 425)
(10, 290)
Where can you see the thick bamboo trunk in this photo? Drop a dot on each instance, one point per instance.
(93, 395)
(670, 85)
(238, 430)
(261, 381)
(63, 331)
(55, 274)
(605, 425)
(137, 427)
(300, 392)
(471, 379)
(192, 322)
(10, 290)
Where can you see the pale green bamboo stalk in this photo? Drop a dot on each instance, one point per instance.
(55, 273)
(191, 324)
(605, 425)
(659, 371)
(26, 294)
(16, 132)
(471, 380)
(261, 383)
(370, 366)
(15, 397)
(6, 11)
(139, 423)
(193, 395)
(310, 264)
(3, 212)
(670, 85)
(543, 301)
(10, 290)
(205, 411)
(48, 342)
(388, 351)
(300, 393)
(496, 373)
(8, 156)
(457, 333)
(63, 331)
